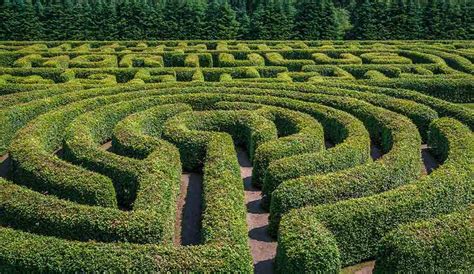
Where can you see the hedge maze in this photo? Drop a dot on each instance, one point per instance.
(310, 114)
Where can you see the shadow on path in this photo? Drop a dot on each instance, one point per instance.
(189, 210)
(263, 247)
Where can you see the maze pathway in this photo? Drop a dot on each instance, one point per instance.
(262, 245)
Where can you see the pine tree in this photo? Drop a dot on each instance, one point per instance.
(221, 22)
(130, 14)
(184, 20)
(329, 21)
(104, 17)
(467, 9)
(381, 20)
(432, 20)
(244, 24)
(413, 26)
(343, 23)
(171, 16)
(6, 24)
(26, 24)
(53, 17)
(307, 19)
(397, 20)
(154, 22)
(364, 21)
(191, 21)
(452, 21)
(269, 21)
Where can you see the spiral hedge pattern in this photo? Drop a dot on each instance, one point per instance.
(307, 112)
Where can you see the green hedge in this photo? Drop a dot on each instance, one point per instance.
(451, 90)
(224, 246)
(358, 224)
(32, 211)
(276, 59)
(151, 183)
(93, 61)
(15, 117)
(298, 133)
(25, 252)
(317, 250)
(397, 137)
(186, 131)
(229, 60)
(444, 244)
(140, 133)
(443, 108)
(352, 148)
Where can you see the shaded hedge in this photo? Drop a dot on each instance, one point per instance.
(443, 244)
(358, 224)
(397, 137)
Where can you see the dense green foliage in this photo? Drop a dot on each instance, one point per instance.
(223, 19)
(442, 244)
(95, 137)
(357, 225)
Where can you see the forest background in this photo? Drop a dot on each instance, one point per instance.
(235, 19)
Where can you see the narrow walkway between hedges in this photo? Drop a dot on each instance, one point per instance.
(262, 246)
(429, 161)
(189, 210)
(5, 163)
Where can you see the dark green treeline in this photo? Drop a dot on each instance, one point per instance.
(235, 19)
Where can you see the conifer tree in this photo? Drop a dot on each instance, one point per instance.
(397, 20)
(6, 24)
(52, 18)
(329, 20)
(244, 24)
(171, 19)
(364, 21)
(343, 23)
(221, 22)
(154, 22)
(307, 23)
(231, 19)
(432, 20)
(26, 24)
(413, 26)
(452, 23)
(381, 19)
(467, 9)
(130, 20)
(191, 20)
(269, 21)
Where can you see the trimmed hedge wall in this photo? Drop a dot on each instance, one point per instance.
(224, 234)
(401, 164)
(246, 127)
(21, 251)
(140, 133)
(358, 224)
(444, 244)
(298, 133)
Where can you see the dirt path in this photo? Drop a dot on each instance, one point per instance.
(362, 268)
(5, 163)
(263, 247)
(375, 152)
(189, 210)
(107, 146)
(429, 162)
